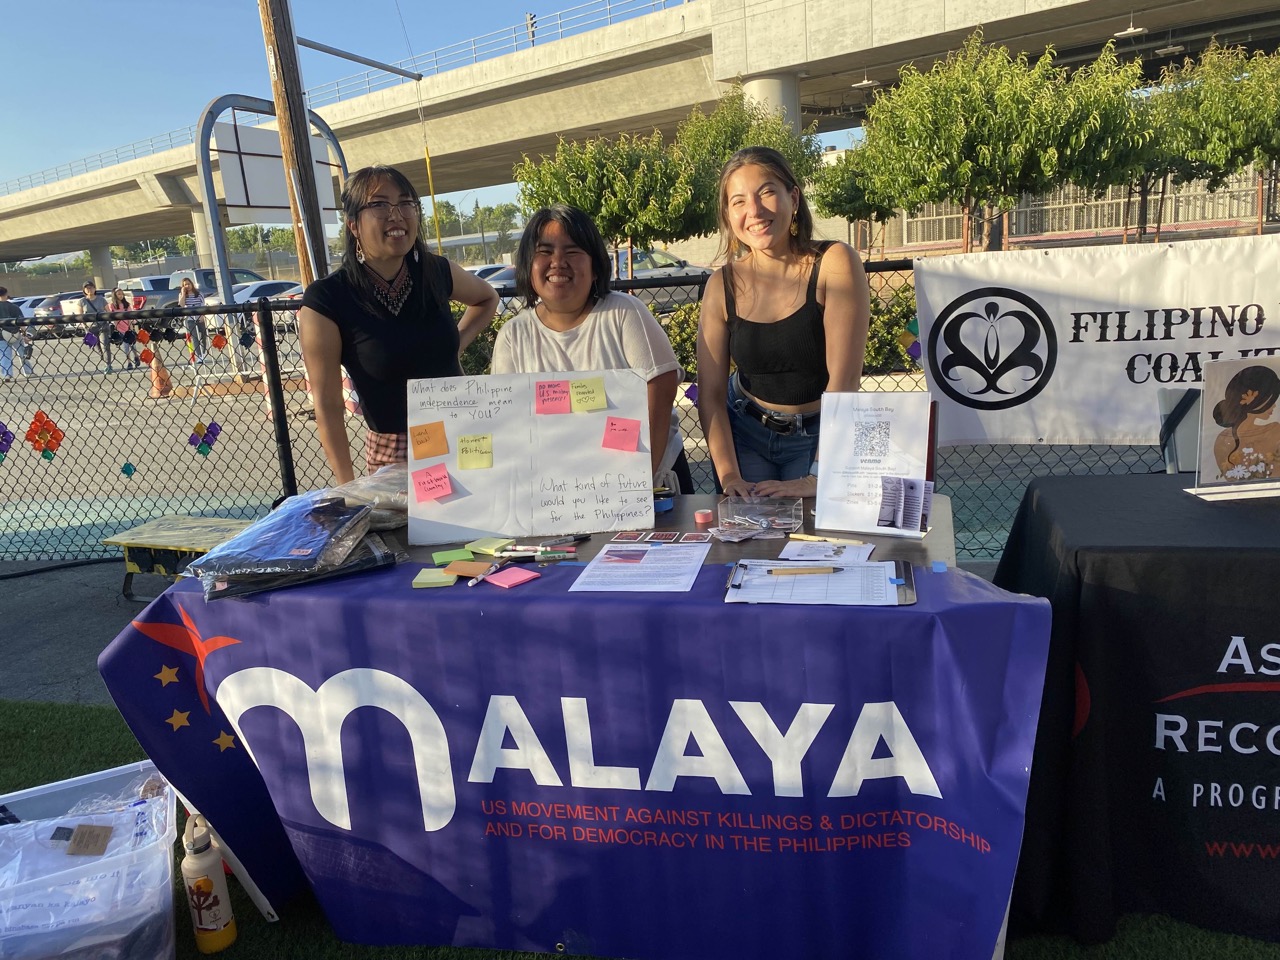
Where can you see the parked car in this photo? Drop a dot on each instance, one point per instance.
(55, 312)
(484, 270)
(145, 291)
(271, 289)
(206, 281)
(503, 277)
(646, 264)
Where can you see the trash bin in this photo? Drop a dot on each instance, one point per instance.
(86, 868)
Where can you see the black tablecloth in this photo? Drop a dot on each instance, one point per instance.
(1156, 779)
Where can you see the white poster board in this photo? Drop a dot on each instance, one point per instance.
(866, 437)
(528, 454)
(251, 165)
(1239, 430)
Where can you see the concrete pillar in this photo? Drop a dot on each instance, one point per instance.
(204, 241)
(104, 272)
(777, 91)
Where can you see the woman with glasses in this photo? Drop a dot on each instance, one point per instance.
(791, 316)
(384, 315)
(572, 321)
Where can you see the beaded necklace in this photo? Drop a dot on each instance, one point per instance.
(392, 295)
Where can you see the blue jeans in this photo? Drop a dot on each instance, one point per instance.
(764, 454)
(6, 358)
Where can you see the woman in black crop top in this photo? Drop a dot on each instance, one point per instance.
(791, 315)
(384, 315)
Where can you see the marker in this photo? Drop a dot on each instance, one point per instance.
(811, 537)
(801, 571)
(557, 541)
(493, 568)
(540, 548)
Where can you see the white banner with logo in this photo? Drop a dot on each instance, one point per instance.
(1071, 345)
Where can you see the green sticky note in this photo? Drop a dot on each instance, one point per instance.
(443, 558)
(433, 577)
(488, 545)
(475, 452)
(587, 395)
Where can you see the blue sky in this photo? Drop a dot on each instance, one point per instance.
(87, 76)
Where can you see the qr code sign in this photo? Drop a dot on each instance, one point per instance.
(871, 439)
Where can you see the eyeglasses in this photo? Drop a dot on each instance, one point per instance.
(381, 209)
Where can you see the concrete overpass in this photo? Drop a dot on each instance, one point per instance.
(479, 119)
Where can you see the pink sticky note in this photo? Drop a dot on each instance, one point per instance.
(621, 433)
(551, 396)
(432, 483)
(512, 576)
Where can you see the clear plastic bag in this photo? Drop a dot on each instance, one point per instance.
(116, 904)
(386, 491)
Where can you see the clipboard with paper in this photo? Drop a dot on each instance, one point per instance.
(874, 472)
(884, 583)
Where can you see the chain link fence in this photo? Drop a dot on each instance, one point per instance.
(117, 419)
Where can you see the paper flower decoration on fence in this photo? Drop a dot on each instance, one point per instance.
(909, 339)
(218, 341)
(146, 356)
(90, 339)
(44, 436)
(144, 337)
(6, 440)
(128, 469)
(203, 438)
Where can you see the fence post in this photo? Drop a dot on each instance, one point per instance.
(275, 395)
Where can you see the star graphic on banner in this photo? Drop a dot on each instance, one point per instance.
(185, 638)
(167, 675)
(179, 719)
(225, 742)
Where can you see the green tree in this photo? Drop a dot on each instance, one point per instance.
(979, 129)
(704, 142)
(186, 245)
(628, 184)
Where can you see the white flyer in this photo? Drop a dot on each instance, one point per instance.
(643, 568)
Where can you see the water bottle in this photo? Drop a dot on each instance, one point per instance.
(206, 884)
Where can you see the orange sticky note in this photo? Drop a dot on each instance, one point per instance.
(621, 433)
(432, 483)
(551, 396)
(429, 440)
(512, 576)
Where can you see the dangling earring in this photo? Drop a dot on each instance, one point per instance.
(415, 254)
(359, 251)
(795, 230)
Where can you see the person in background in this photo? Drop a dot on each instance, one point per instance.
(572, 321)
(121, 301)
(385, 316)
(791, 315)
(94, 302)
(190, 297)
(11, 336)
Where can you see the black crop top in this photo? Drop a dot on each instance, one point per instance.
(382, 352)
(784, 362)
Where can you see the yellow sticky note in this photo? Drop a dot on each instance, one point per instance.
(489, 545)
(475, 452)
(434, 577)
(428, 440)
(585, 395)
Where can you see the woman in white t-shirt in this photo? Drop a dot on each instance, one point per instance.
(572, 321)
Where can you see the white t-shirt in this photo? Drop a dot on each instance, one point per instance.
(618, 334)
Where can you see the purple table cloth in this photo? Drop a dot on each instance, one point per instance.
(653, 776)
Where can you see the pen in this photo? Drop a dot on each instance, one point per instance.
(557, 541)
(539, 548)
(809, 536)
(800, 571)
(493, 568)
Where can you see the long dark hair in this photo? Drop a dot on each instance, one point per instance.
(774, 162)
(360, 186)
(582, 230)
(1249, 392)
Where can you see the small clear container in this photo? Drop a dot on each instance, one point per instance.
(761, 513)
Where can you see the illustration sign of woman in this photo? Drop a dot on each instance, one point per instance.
(1249, 447)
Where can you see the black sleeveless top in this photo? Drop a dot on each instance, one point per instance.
(784, 362)
(382, 352)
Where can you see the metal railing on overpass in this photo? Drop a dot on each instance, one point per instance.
(230, 436)
(544, 29)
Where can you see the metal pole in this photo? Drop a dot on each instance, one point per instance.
(275, 395)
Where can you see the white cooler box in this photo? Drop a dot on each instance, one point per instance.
(114, 904)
